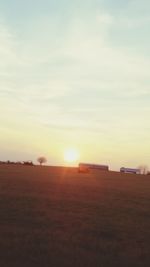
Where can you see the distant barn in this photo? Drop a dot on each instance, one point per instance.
(130, 170)
(86, 167)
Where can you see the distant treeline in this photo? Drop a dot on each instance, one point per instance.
(30, 163)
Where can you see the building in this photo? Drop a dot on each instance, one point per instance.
(86, 167)
(130, 170)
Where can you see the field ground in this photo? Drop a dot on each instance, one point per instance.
(52, 217)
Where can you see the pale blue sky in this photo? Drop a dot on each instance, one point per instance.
(75, 73)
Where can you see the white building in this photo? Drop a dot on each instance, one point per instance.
(129, 170)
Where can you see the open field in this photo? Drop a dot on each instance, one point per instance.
(56, 217)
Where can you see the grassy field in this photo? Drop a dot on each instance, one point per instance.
(57, 217)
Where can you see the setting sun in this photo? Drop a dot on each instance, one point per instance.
(71, 155)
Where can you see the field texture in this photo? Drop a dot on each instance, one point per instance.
(52, 217)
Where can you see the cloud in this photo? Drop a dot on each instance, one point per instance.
(47, 92)
(8, 51)
(105, 18)
(38, 72)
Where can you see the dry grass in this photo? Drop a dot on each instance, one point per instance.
(57, 217)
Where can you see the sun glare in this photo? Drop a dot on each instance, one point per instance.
(71, 155)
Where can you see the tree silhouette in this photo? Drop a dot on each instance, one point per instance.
(42, 160)
(143, 169)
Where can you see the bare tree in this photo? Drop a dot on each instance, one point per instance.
(143, 169)
(42, 160)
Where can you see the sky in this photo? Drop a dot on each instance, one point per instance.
(75, 74)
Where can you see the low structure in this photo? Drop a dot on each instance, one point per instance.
(130, 170)
(85, 167)
(29, 163)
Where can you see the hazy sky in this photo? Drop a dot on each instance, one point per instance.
(75, 73)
